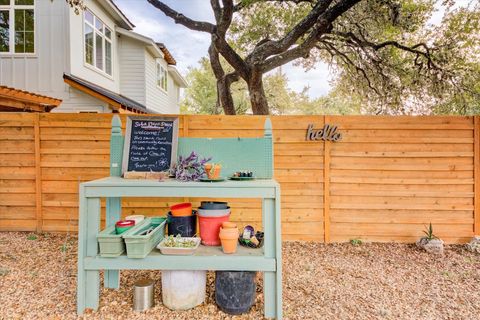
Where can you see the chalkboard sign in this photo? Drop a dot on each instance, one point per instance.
(150, 144)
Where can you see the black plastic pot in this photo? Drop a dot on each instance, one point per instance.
(235, 291)
(213, 205)
(184, 226)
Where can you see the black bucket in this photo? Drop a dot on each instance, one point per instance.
(184, 226)
(235, 291)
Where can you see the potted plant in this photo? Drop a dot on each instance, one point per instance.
(213, 170)
(430, 242)
(189, 168)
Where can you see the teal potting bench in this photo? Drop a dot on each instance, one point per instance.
(255, 154)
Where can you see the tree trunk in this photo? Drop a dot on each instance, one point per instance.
(257, 94)
(225, 95)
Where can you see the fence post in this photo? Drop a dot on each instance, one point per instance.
(38, 174)
(476, 174)
(326, 186)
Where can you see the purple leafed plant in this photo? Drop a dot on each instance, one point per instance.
(190, 168)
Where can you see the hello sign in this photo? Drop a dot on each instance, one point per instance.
(327, 133)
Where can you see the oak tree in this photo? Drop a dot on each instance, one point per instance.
(379, 43)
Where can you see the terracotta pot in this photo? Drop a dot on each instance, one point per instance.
(229, 225)
(229, 239)
(213, 172)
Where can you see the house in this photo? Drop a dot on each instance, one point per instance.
(91, 60)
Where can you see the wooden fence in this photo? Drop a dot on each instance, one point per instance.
(384, 181)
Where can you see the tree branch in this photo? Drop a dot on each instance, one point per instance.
(377, 46)
(226, 17)
(183, 20)
(321, 26)
(244, 4)
(222, 46)
(270, 48)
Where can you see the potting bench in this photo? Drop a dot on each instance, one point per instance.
(255, 154)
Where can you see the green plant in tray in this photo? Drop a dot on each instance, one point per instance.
(178, 242)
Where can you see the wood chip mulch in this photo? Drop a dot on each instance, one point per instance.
(335, 281)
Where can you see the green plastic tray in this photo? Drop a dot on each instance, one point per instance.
(111, 243)
(139, 246)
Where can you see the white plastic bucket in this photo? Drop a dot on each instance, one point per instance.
(183, 290)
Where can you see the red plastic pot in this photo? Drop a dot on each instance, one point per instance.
(181, 209)
(210, 228)
(123, 225)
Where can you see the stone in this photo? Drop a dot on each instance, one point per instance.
(474, 245)
(434, 246)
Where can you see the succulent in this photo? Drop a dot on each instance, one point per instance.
(189, 168)
(429, 233)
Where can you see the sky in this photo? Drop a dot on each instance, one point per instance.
(189, 46)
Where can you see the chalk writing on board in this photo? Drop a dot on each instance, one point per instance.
(151, 144)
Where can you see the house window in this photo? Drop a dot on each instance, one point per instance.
(17, 26)
(98, 43)
(162, 76)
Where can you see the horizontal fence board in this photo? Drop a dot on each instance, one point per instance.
(401, 216)
(398, 229)
(404, 172)
(19, 225)
(401, 174)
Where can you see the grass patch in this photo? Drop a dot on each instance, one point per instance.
(32, 237)
(356, 242)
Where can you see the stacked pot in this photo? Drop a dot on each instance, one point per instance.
(182, 220)
(211, 215)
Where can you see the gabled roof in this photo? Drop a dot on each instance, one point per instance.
(12, 99)
(115, 11)
(149, 43)
(114, 100)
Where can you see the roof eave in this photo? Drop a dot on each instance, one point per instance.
(111, 7)
(179, 79)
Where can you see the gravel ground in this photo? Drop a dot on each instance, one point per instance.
(337, 281)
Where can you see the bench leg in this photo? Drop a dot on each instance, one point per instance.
(88, 281)
(272, 281)
(114, 208)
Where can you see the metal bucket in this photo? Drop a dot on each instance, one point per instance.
(143, 294)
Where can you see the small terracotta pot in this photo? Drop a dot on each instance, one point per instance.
(229, 239)
(229, 225)
(213, 173)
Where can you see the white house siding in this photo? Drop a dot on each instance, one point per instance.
(41, 72)
(157, 98)
(78, 66)
(173, 95)
(132, 75)
(79, 101)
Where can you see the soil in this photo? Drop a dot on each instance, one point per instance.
(334, 281)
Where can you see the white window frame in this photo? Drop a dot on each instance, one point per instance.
(158, 70)
(104, 41)
(11, 32)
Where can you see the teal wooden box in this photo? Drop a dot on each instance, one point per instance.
(139, 246)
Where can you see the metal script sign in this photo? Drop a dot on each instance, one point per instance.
(327, 133)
